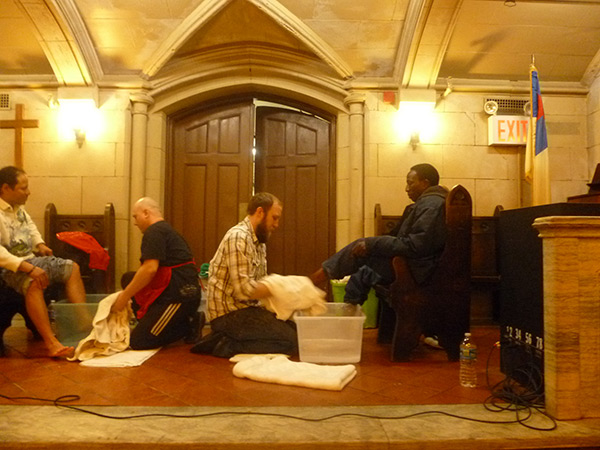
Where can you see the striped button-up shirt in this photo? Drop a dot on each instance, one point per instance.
(240, 261)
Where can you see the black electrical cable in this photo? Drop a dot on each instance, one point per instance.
(506, 395)
(509, 395)
(63, 402)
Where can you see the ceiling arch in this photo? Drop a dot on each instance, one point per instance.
(299, 29)
(428, 30)
(201, 15)
(64, 39)
(193, 88)
(207, 11)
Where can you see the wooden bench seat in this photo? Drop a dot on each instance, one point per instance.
(101, 227)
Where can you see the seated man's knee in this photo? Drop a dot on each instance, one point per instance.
(75, 270)
(34, 290)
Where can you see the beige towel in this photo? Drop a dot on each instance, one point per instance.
(110, 332)
(128, 358)
(280, 370)
(293, 293)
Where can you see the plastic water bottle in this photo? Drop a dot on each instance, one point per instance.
(52, 315)
(468, 359)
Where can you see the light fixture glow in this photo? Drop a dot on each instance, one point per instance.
(79, 118)
(416, 121)
(415, 139)
(79, 136)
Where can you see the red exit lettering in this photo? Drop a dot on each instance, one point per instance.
(512, 130)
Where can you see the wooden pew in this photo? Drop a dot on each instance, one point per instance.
(101, 227)
(442, 306)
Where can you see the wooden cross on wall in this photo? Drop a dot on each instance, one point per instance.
(19, 124)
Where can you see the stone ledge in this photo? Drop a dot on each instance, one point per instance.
(49, 427)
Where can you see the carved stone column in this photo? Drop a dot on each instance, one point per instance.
(571, 249)
(139, 137)
(356, 103)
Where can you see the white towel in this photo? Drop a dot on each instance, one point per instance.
(293, 293)
(128, 358)
(110, 332)
(280, 370)
(242, 356)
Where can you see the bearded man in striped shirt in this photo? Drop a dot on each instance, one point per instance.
(239, 323)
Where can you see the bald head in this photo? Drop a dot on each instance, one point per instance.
(146, 211)
(149, 204)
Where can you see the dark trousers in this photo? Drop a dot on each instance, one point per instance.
(163, 323)
(254, 330)
(378, 269)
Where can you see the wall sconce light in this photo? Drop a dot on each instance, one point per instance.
(416, 121)
(53, 102)
(415, 139)
(79, 136)
(78, 114)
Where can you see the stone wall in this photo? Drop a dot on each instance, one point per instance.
(77, 180)
(459, 149)
(82, 180)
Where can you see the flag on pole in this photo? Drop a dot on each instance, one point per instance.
(537, 164)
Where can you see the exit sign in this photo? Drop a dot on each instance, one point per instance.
(507, 130)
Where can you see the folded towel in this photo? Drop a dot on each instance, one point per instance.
(110, 332)
(128, 358)
(293, 293)
(241, 356)
(280, 370)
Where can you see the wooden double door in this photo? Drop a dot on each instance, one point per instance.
(214, 172)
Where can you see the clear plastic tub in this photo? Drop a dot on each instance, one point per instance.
(334, 337)
(74, 320)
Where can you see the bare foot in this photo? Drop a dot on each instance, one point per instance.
(60, 352)
(319, 278)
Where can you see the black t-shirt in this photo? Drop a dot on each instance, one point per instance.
(162, 242)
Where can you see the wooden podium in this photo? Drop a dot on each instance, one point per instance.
(593, 195)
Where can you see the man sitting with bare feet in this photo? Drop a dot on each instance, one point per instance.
(20, 266)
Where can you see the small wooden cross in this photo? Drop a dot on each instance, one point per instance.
(19, 124)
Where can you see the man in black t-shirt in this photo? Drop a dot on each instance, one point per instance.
(165, 289)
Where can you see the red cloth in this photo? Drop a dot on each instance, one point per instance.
(146, 296)
(99, 258)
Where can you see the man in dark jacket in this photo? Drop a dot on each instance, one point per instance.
(420, 238)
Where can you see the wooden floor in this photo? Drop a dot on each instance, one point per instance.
(176, 377)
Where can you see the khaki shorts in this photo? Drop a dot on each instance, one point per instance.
(58, 271)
